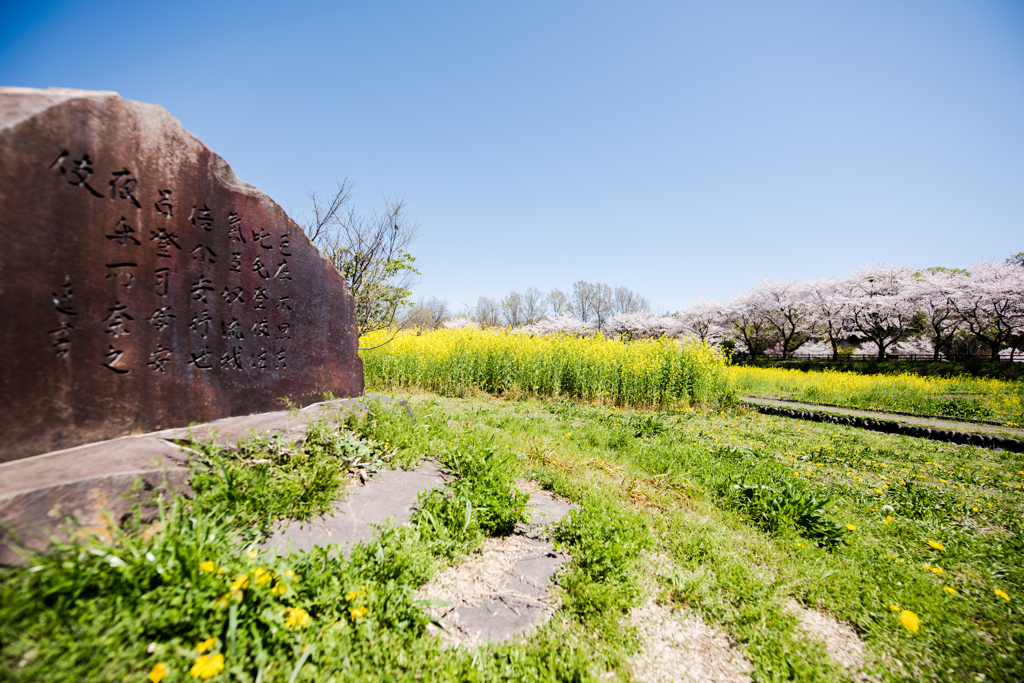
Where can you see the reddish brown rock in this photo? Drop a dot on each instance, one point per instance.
(143, 286)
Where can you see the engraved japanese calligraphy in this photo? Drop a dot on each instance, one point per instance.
(144, 284)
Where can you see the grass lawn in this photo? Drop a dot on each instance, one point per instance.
(735, 518)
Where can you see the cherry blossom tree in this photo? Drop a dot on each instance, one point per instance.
(881, 307)
(704, 320)
(933, 291)
(748, 318)
(643, 325)
(789, 311)
(829, 298)
(991, 304)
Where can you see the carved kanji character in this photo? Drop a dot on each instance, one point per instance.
(162, 276)
(201, 218)
(201, 323)
(122, 273)
(260, 239)
(204, 254)
(259, 297)
(123, 232)
(117, 319)
(262, 328)
(231, 330)
(114, 355)
(81, 170)
(258, 267)
(232, 360)
(161, 317)
(282, 272)
(62, 339)
(163, 204)
(164, 241)
(235, 228)
(201, 359)
(159, 358)
(236, 262)
(123, 185)
(236, 294)
(200, 287)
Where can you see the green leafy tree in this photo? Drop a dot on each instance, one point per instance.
(370, 251)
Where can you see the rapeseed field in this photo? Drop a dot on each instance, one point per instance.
(961, 396)
(500, 362)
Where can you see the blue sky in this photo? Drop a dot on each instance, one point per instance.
(680, 149)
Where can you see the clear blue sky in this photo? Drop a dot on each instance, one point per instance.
(680, 149)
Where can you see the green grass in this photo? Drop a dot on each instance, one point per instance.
(740, 512)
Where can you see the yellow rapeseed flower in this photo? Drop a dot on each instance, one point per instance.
(279, 589)
(353, 594)
(207, 567)
(158, 673)
(1003, 595)
(207, 666)
(261, 576)
(910, 621)
(207, 644)
(296, 617)
(358, 612)
(241, 581)
(936, 545)
(949, 589)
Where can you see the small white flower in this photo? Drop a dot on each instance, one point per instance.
(151, 557)
(152, 648)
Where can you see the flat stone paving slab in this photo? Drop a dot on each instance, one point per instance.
(388, 495)
(86, 483)
(505, 592)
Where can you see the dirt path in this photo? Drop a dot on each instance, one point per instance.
(935, 423)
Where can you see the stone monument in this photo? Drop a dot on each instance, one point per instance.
(143, 286)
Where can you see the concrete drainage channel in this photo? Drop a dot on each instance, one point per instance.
(896, 427)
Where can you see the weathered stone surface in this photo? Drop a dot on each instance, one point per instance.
(143, 286)
(83, 489)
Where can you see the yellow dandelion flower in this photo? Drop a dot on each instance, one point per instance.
(1003, 595)
(207, 567)
(241, 581)
(949, 589)
(252, 554)
(289, 574)
(910, 621)
(222, 601)
(353, 594)
(937, 570)
(261, 576)
(158, 673)
(296, 617)
(974, 509)
(894, 607)
(207, 644)
(888, 519)
(207, 666)
(936, 545)
(279, 589)
(851, 527)
(358, 612)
